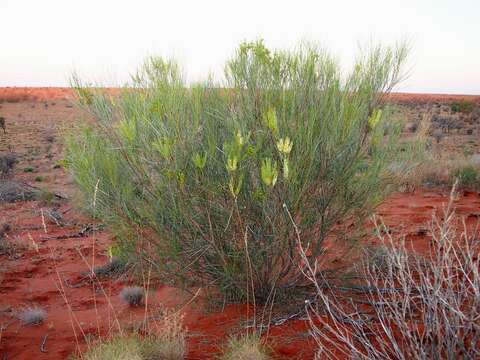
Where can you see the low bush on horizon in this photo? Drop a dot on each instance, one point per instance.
(443, 170)
(468, 176)
(463, 106)
(210, 184)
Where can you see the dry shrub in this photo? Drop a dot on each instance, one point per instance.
(11, 191)
(133, 295)
(444, 170)
(412, 307)
(32, 316)
(169, 340)
(10, 247)
(7, 164)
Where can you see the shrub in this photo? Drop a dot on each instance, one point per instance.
(168, 344)
(118, 348)
(7, 246)
(133, 296)
(46, 197)
(467, 176)
(247, 347)
(32, 316)
(7, 164)
(412, 306)
(4, 229)
(464, 106)
(197, 180)
(134, 347)
(11, 191)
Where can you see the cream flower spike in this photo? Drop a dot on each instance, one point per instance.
(285, 145)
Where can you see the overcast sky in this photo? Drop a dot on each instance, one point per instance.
(43, 41)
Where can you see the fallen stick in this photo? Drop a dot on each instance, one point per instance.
(82, 233)
(63, 237)
(44, 341)
(57, 195)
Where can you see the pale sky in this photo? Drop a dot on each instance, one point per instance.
(44, 41)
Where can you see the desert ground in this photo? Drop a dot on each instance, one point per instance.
(48, 245)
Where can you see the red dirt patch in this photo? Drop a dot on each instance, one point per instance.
(410, 98)
(31, 279)
(17, 94)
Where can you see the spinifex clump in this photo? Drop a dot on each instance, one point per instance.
(201, 181)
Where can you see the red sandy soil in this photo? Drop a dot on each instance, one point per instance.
(15, 94)
(410, 98)
(45, 264)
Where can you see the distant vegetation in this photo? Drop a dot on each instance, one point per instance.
(464, 107)
(216, 187)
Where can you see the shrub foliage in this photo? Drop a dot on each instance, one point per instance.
(201, 180)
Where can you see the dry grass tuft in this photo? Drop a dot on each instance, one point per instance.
(117, 348)
(247, 347)
(32, 316)
(133, 295)
(167, 343)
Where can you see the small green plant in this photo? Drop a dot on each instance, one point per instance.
(463, 106)
(467, 176)
(29, 169)
(168, 344)
(39, 178)
(117, 348)
(207, 181)
(467, 152)
(134, 347)
(46, 197)
(247, 347)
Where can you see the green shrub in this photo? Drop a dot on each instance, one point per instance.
(464, 106)
(134, 347)
(246, 347)
(467, 176)
(205, 182)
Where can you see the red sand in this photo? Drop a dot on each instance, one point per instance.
(410, 98)
(31, 280)
(15, 94)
